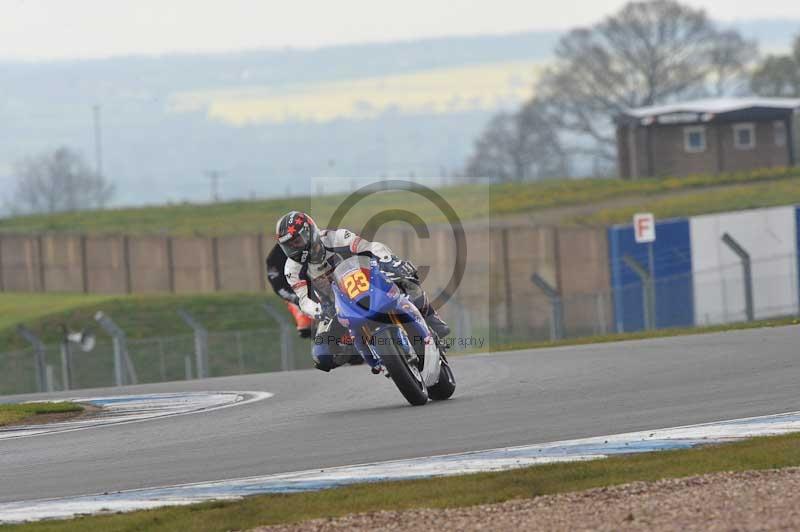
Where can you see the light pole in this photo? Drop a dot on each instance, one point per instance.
(214, 176)
(98, 141)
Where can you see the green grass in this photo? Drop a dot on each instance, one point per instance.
(468, 490)
(140, 316)
(470, 202)
(740, 197)
(18, 308)
(158, 339)
(14, 413)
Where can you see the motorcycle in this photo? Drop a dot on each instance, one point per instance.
(389, 331)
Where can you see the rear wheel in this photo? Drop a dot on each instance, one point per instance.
(404, 372)
(447, 383)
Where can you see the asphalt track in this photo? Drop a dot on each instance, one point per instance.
(350, 416)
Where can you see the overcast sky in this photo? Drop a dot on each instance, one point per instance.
(39, 29)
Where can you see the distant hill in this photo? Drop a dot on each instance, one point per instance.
(272, 120)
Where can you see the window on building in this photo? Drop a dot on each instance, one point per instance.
(744, 136)
(694, 139)
(779, 127)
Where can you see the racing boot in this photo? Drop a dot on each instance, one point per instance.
(436, 323)
(431, 317)
(429, 314)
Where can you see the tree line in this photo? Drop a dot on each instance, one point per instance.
(648, 53)
(57, 181)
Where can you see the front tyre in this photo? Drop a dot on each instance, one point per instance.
(404, 373)
(447, 383)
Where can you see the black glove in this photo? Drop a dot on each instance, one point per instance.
(398, 269)
(327, 311)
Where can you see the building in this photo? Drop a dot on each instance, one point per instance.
(707, 137)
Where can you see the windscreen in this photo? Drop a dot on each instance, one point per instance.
(353, 276)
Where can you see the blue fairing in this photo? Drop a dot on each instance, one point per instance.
(373, 308)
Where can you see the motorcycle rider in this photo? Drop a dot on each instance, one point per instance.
(311, 253)
(276, 262)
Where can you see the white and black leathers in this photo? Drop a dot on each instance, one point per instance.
(341, 243)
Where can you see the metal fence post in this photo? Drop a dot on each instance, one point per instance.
(200, 343)
(123, 367)
(38, 354)
(66, 365)
(648, 291)
(556, 307)
(287, 360)
(462, 319)
(239, 351)
(187, 367)
(162, 363)
(747, 273)
(49, 375)
(600, 307)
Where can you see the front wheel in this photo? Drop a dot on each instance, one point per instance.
(404, 373)
(447, 383)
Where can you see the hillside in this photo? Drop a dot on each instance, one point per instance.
(269, 119)
(588, 202)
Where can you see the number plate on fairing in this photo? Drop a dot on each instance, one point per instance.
(355, 282)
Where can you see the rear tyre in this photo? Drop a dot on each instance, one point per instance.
(405, 374)
(446, 386)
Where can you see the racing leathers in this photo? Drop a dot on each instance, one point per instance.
(276, 263)
(311, 282)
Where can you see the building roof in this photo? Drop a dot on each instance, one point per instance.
(714, 106)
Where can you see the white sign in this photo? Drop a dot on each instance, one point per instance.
(644, 227)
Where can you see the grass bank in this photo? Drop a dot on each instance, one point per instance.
(736, 198)
(140, 316)
(16, 413)
(468, 490)
(242, 337)
(471, 201)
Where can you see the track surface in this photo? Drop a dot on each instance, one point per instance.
(350, 416)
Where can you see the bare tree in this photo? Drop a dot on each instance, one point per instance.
(729, 61)
(778, 75)
(518, 146)
(647, 53)
(58, 181)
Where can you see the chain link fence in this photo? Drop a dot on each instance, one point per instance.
(696, 299)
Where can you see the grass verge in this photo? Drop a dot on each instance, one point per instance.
(737, 198)
(19, 308)
(15, 413)
(472, 201)
(140, 316)
(159, 341)
(482, 488)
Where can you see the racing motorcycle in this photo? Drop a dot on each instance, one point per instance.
(389, 331)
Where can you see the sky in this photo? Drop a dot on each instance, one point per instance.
(74, 29)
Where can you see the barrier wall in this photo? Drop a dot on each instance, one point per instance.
(699, 280)
(670, 264)
(496, 285)
(770, 237)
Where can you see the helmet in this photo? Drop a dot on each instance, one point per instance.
(298, 237)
